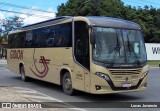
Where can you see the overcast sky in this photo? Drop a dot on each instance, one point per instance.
(51, 6)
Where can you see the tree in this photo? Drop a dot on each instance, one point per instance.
(148, 17)
(91, 7)
(11, 24)
(1, 30)
(7, 25)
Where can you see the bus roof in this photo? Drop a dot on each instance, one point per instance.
(47, 22)
(94, 21)
(112, 22)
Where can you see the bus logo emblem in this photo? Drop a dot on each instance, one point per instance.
(44, 63)
(126, 79)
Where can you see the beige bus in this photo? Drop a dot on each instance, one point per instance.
(97, 55)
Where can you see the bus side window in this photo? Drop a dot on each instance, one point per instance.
(21, 40)
(15, 40)
(63, 35)
(10, 41)
(29, 36)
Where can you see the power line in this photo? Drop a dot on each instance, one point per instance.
(23, 7)
(2, 6)
(40, 16)
(33, 2)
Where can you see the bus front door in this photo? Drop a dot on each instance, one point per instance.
(81, 53)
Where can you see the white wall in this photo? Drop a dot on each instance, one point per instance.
(153, 51)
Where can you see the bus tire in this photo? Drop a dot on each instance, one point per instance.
(67, 84)
(23, 76)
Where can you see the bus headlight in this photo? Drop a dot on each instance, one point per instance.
(144, 74)
(103, 76)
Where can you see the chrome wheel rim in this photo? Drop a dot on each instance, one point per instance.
(68, 83)
(22, 75)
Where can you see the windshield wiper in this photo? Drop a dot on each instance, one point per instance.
(131, 49)
(99, 44)
(116, 50)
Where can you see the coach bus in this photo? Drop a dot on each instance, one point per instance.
(97, 55)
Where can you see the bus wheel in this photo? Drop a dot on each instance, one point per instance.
(67, 84)
(23, 77)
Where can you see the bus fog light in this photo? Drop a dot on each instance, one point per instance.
(98, 87)
(104, 76)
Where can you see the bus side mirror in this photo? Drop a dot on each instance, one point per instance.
(92, 38)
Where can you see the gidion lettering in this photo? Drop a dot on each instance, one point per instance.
(16, 54)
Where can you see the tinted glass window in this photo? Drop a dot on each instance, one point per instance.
(10, 41)
(21, 40)
(118, 46)
(64, 35)
(28, 40)
(81, 50)
(13, 41)
(51, 36)
(38, 36)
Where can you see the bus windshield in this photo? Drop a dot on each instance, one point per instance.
(118, 46)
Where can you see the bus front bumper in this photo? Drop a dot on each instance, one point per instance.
(101, 86)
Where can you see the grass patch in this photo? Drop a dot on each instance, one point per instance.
(154, 63)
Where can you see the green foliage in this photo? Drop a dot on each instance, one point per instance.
(147, 17)
(10, 24)
(3, 39)
(90, 7)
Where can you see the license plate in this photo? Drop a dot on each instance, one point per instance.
(126, 84)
